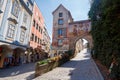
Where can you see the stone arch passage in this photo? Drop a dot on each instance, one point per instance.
(73, 41)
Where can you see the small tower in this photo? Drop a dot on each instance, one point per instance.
(61, 19)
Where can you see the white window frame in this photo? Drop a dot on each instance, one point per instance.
(22, 36)
(11, 31)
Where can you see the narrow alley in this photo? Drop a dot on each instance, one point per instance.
(82, 67)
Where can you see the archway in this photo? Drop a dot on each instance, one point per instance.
(18, 55)
(5, 52)
(81, 44)
(79, 39)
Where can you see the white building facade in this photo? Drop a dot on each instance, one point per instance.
(15, 22)
(15, 25)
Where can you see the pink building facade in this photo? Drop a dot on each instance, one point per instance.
(37, 28)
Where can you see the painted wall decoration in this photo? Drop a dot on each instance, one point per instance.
(79, 29)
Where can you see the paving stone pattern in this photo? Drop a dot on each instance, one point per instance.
(82, 67)
(22, 72)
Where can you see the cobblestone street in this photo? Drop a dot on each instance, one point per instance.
(22, 72)
(82, 67)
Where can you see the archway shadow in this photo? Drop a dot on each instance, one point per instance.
(82, 69)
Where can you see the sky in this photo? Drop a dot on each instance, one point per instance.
(78, 8)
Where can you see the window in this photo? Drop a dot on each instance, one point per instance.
(32, 37)
(38, 40)
(25, 18)
(37, 26)
(60, 21)
(15, 8)
(60, 42)
(60, 14)
(22, 35)
(60, 32)
(39, 18)
(28, 4)
(35, 38)
(41, 31)
(64, 32)
(34, 23)
(11, 31)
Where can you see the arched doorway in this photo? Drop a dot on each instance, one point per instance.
(5, 55)
(18, 55)
(79, 42)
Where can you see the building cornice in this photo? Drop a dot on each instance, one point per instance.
(23, 27)
(13, 20)
(77, 22)
(13, 43)
(32, 3)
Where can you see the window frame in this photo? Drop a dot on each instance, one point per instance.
(37, 26)
(15, 9)
(28, 4)
(32, 37)
(25, 18)
(60, 21)
(60, 32)
(22, 35)
(35, 38)
(34, 22)
(60, 14)
(38, 40)
(11, 31)
(41, 31)
(60, 42)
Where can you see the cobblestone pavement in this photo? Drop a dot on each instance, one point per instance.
(82, 67)
(22, 72)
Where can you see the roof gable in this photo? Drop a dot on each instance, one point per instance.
(58, 8)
